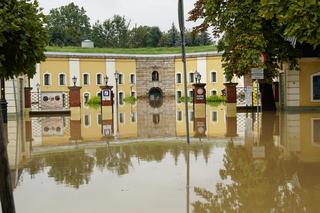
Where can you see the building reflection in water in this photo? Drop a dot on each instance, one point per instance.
(270, 161)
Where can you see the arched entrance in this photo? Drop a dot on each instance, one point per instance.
(155, 97)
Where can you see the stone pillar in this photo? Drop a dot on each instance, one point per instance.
(231, 101)
(75, 103)
(199, 107)
(27, 99)
(276, 93)
(231, 123)
(106, 111)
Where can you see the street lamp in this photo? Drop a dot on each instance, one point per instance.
(38, 93)
(198, 77)
(116, 76)
(74, 80)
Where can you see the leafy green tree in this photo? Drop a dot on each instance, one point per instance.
(247, 33)
(97, 35)
(23, 37)
(68, 25)
(139, 36)
(173, 36)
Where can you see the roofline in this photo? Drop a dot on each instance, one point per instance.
(128, 56)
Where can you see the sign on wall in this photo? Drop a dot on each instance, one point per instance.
(106, 95)
(52, 100)
(257, 73)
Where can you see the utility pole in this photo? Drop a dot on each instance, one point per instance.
(183, 46)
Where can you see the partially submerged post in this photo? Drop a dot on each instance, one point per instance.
(106, 109)
(75, 110)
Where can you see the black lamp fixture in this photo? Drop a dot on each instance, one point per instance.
(116, 75)
(74, 80)
(198, 77)
(106, 79)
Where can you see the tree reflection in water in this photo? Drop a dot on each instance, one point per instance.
(272, 184)
(74, 168)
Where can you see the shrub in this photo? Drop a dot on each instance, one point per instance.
(94, 102)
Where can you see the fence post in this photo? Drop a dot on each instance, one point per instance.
(75, 102)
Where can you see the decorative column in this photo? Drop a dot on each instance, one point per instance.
(75, 103)
(231, 102)
(199, 108)
(107, 111)
(27, 100)
(276, 93)
(75, 130)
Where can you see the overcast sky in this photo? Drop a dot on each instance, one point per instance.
(141, 12)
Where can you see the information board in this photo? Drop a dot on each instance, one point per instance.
(257, 73)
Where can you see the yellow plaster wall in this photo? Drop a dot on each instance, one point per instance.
(215, 64)
(191, 68)
(308, 66)
(126, 67)
(54, 66)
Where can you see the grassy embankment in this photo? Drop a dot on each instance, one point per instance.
(159, 50)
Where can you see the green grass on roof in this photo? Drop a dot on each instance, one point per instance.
(159, 50)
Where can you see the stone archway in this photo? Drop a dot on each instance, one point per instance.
(155, 97)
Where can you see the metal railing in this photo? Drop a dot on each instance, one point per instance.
(247, 96)
(49, 101)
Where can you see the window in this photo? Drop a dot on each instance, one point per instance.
(121, 96)
(213, 92)
(155, 76)
(99, 79)
(121, 117)
(133, 94)
(213, 77)
(191, 94)
(156, 118)
(99, 94)
(85, 79)
(132, 79)
(191, 116)
(133, 117)
(62, 79)
(47, 79)
(99, 119)
(87, 120)
(214, 116)
(121, 78)
(178, 78)
(315, 87)
(178, 96)
(179, 116)
(191, 77)
(316, 131)
(86, 97)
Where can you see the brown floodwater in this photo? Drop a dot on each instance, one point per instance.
(252, 162)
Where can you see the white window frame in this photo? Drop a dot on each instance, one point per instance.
(312, 131)
(179, 111)
(134, 78)
(177, 99)
(211, 80)
(101, 79)
(124, 95)
(212, 91)
(88, 79)
(178, 73)
(124, 118)
(123, 78)
(135, 115)
(99, 114)
(65, 78)
(84, 119)
(83, 96)
(217, 113)
(50, 79)
(311, 86)
(135, 93)
(189, 75)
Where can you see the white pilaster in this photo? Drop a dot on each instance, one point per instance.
(202, 68)
(74, 70)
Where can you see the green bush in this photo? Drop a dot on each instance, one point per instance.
(215, 100)
(181, 99)
(94, 102)
(130, 99)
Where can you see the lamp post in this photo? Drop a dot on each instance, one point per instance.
(38, 94)
(198, 77)
(74, 80)
(183, 47)
(106, 79)
(116, 76)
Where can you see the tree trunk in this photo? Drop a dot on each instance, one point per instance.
(267, 98)
(6, 194)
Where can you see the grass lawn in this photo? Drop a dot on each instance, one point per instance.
(160, 50)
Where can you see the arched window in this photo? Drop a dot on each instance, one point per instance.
(62, 79)
(156, 118)
(86, 97)
(155, 76)
(99, 79)
(315, 90)
(46, 79)
(86, 79)
(121, 97)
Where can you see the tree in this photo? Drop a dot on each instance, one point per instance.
(23, 38)
(68, 25)
(154, 36)
(145, 36)
(97, 35)
(251, 28)
(173, 36)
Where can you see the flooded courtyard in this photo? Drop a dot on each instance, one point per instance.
(252, 162)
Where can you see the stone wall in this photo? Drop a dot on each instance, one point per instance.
(166, 69)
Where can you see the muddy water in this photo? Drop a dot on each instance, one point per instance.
(248, 163)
